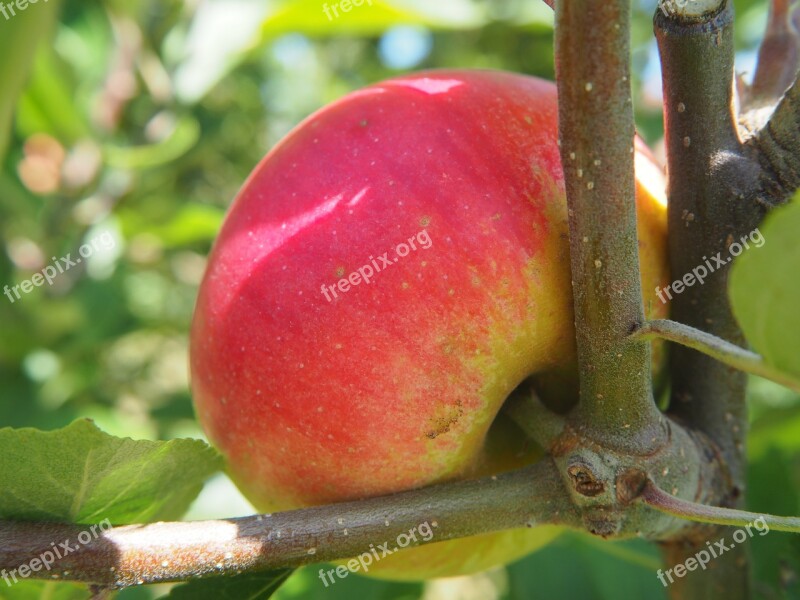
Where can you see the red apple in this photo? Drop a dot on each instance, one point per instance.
(388, 274)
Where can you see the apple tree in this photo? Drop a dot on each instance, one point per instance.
(649, 466)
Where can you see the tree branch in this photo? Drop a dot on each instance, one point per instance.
(717, 348)
(777, 56)
(596, 136)
(162, 552)
(776, 145)
(710, 186)
(713, 193)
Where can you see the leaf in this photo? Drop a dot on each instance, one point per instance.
(764, 289)
(19, 38)
(83, 475)
(37, 590)
(47, 103)
(305, 584)
(223, 32)
(220, 32)
(776, 559)
(191, 223)
(373, 17)
(183, 138)
(776, 429)
(609, 570)
(250, 586)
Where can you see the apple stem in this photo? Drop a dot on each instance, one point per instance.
(715, 347)
(654, 496)
(541, 424)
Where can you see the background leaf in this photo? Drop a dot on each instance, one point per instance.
(43, 590)
(19, 37)
(764, 290)
(315, 17)
(250, 586)
(597, 570)
(82, 475)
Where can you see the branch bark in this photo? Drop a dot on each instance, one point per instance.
(713, 200)
(709, 181)
(596, 128)
(775, 146)
(162, 552)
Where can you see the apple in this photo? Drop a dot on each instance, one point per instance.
(389, 273)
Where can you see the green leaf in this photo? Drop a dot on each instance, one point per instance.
(305, 584)
(83, 475)
(38, 590)
(19, 37)
(776, 557)
(48, 104)
(191, 223)
(183, 138)
(765, 289)
(250, 586)
(609, 570)
(222, 33)
(776, 429)
(318, 17)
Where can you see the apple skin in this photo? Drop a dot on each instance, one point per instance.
(394, 384)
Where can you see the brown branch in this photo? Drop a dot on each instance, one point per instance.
(161, 552)
(777, 56)
(777, 147)
(710, 186)
(713, 196)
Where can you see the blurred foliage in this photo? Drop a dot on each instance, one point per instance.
(137, 121)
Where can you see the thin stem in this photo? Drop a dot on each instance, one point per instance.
(540, 423)
(661, 500)
(710, 345)
(597, 135)
(162, 552)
